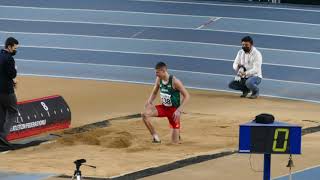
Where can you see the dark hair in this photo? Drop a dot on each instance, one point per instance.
(11, 42)
(247, 39)
(160, 65)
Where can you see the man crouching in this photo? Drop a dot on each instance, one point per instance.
(248, 68)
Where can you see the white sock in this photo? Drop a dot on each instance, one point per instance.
(156, 137)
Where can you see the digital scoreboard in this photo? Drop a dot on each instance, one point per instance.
(274, 138)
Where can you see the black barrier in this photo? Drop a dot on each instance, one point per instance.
(40, 115)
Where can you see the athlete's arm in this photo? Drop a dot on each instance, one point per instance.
(154, 92)
(186, 96)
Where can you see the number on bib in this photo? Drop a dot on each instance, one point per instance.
(166, 99)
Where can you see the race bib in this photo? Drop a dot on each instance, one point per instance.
(166, 99)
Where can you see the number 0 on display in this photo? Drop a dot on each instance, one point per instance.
(276, 134)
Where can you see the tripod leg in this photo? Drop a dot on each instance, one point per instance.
(75, 175)
(78, 177)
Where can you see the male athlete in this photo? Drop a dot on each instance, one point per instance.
(170, 88)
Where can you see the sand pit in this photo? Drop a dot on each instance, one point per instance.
(210, 124)
(108, 138)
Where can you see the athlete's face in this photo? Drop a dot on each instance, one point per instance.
(161, 72)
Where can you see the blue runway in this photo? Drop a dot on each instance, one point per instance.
(161, 20)
(121, 40)
(139, 33)
(178, 8)
(213, 66)
(160, 47)
(309, 174)
(188, 35)
(20, 176)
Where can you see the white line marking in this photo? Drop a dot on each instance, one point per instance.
(200, 28)
(211, 20)
(146, 83)
(78, 63)
(276, 21)
(137, 34)
(155, 40)
(163, 14)
(146, 68)
(231, 5)
(312, 167)
(5, 152)
(258, 33)
(92, 10)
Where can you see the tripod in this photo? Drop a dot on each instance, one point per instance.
(77, 173)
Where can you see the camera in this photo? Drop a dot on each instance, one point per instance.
(80, 161)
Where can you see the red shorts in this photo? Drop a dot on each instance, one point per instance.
(164, 111)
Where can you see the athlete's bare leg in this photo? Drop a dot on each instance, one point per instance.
(175, 136)
(150, 111)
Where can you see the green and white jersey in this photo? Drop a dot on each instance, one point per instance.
(169, 96)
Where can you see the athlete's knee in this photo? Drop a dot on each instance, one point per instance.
(145, 114)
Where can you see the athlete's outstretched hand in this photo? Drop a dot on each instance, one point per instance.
(176, 115)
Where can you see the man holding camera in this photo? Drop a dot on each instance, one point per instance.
(248, 68)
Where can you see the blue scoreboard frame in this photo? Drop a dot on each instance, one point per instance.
(267, 139)
(274, 138)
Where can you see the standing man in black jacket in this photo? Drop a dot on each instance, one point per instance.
(8, 100)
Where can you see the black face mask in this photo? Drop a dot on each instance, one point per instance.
(14, 52)
(246, 49)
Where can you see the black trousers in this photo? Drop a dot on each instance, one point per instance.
(8, 113)
(239, 85)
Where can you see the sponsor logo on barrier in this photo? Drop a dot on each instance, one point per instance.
(28, 125)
